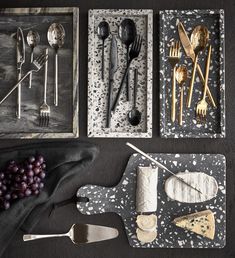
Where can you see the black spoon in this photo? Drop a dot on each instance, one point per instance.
(134, 116)
(127, 34)
(103, 32)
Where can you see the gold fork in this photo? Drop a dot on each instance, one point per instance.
(201, 109)
(173, 58)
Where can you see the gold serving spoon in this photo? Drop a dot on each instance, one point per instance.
(181, 76)
(199, 40)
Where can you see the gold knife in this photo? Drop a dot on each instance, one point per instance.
(189, 51)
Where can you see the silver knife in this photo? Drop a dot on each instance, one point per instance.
(20, 56)
(189, 51)
(82, 234)
(113, 63)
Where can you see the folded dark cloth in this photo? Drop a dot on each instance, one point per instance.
(65, 161)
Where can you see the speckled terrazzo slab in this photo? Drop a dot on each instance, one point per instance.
(215, 124)
(98, 90)
(121, 200)
(64, 118)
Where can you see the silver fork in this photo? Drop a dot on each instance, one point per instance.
(35, 66)
(44, 112)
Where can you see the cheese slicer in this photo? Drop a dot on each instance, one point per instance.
(81, 234)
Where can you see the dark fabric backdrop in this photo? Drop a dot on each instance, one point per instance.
(109, 166)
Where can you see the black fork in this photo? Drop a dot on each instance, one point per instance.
(134, 53)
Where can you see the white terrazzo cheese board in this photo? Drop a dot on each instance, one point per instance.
(214, 127)
(121, 199)
(98, 89)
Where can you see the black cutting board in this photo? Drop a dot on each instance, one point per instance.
(121, 200)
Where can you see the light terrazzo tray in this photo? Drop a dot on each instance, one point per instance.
(215, 124)
(121, 200)
(98, 90)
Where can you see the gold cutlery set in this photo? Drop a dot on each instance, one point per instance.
(192, 47)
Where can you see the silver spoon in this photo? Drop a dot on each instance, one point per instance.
(55, 36)
(33, 40)
(134, 116)
(103, 32)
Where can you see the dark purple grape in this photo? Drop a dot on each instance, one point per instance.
(6, 205)
(41, 185)
(7, 196)
(43, 166)
(21, 195)
(23, 186)
(36, 170)
(40, 158)
(30, 166)
(37, 164)
(30, 173)
(31, 159)
(0, 183)
(15, 168)
(42, 175)
(14, 196)
(28, 192)
(18, 178)
(30, 180)
(1, 193)
(21, 170)
(37, 179)
(2, 175)
(24, 178)
(36, 192)
(4, 188)
(34, 186)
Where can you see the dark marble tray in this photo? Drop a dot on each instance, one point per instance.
(121, 200)
(215, 123)
(64, 118)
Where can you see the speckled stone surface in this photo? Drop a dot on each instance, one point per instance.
(215, 124)
(121, 200)
(98, 90)
(64, 118)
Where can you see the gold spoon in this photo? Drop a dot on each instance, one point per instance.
(199, 40)
(181, 76)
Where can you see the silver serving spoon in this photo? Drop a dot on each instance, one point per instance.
(134, 115)
(103, 32)
(55, 36)
(33, 40)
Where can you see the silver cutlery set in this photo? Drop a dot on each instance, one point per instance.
(133, 42)
(55, 36)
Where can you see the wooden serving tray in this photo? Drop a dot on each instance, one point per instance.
(121, 200)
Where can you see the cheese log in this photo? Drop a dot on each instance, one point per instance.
(202, 223)
(177, 190)
(146, 190)
(147, 222)
(145, 236)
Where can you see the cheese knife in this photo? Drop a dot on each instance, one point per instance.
(189, 51)
(113, 63)
(81, 234)
(20, 58)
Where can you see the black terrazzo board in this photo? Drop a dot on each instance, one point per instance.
(121, 200)
(215, 123)
(98, 89)
(64, 118)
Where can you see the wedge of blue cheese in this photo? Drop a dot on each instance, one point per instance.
(202, 223)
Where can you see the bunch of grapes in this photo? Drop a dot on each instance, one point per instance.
(19, 180)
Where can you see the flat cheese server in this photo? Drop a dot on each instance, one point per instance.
(81, 234)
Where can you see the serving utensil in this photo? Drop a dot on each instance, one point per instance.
(20, 56)
(127, 34)
(199, 40)
(113, 65)
(55, 36)
(162, 166)
(189, 51)
(33, 39)
(44, 110)
(134, 115)
(201, 109)
(103, 32)
(181, 76)
(35, 66)
(81, 234)
(173, 58)
(134, 53)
